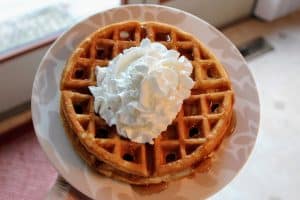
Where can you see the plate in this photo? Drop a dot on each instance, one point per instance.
(230, 157)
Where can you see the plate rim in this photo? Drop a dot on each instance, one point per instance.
(81, 22)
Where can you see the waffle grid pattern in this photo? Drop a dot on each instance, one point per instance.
(195, 132)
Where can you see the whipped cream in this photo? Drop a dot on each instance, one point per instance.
(142, 90)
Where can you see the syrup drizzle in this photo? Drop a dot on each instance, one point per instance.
(204, 167)
(150, 189)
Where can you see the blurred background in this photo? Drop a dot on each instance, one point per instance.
(267, 33)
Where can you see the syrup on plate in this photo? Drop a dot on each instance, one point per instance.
(150, 189)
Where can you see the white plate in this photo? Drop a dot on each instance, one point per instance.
(230, 157)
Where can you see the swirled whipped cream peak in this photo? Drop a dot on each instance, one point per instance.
(142, 90)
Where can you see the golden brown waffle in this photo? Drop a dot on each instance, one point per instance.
(109, 171)
(197, 130)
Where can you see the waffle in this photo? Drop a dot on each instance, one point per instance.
(109, 171)
(193, 135)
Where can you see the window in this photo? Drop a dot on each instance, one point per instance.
(30, 23)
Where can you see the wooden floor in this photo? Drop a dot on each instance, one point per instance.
(14, 121)
(252, 28)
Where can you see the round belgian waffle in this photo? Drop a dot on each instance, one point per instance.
(196, 131)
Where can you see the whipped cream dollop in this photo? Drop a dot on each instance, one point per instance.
(142, 90)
